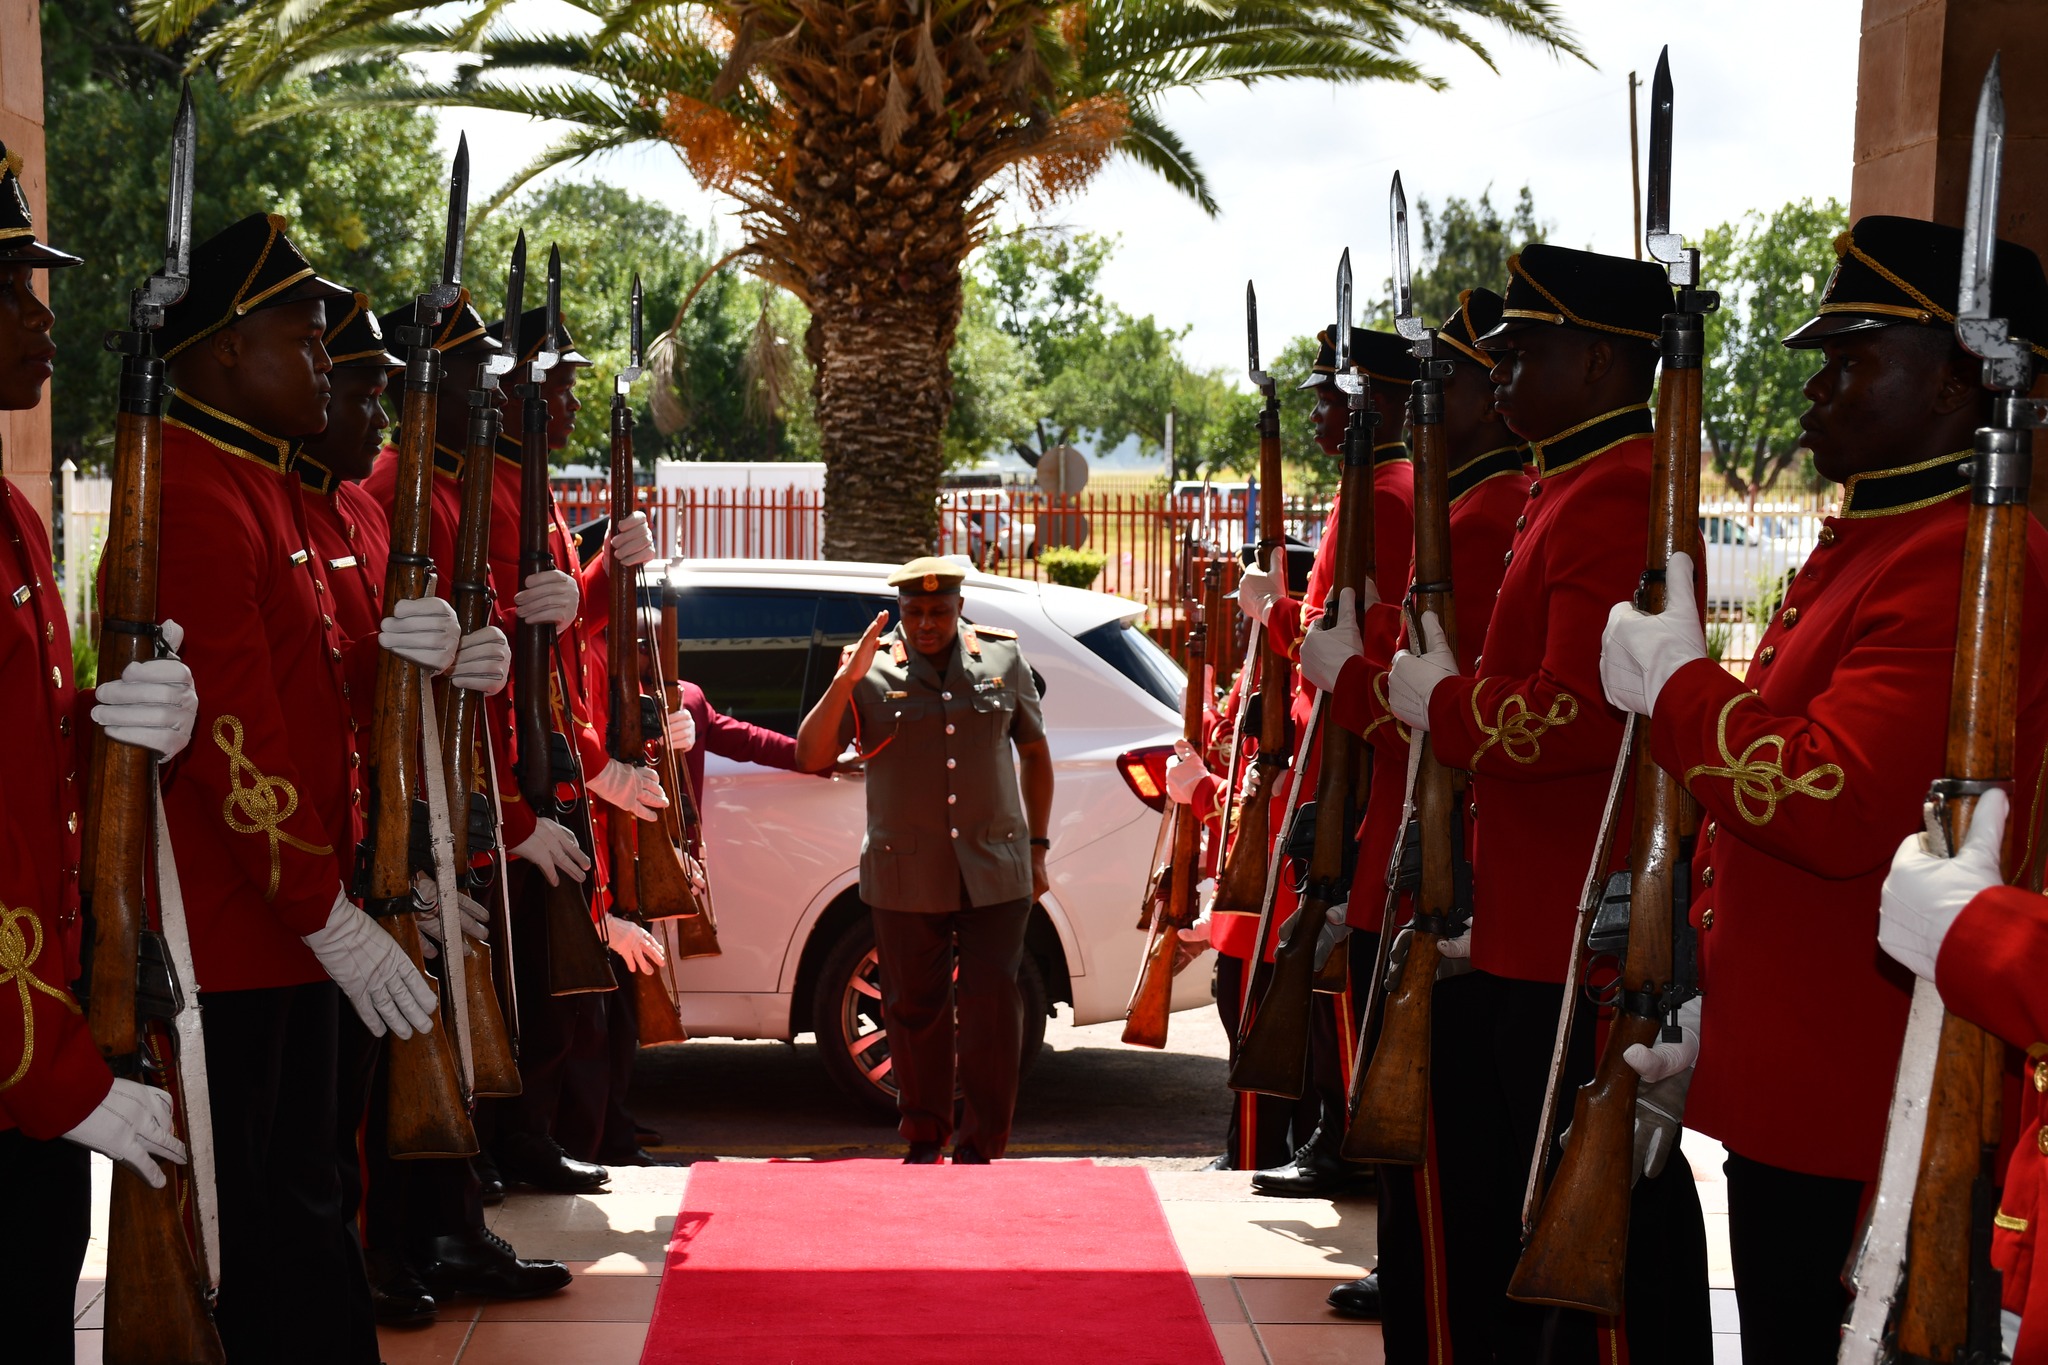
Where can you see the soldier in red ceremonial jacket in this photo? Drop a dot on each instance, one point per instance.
(1575, 361)
(1810, 770)
(268, 805)
(1487, 491)
(58, 1101)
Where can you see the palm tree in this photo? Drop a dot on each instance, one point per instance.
(869, 143)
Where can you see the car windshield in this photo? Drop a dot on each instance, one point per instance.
(1131, 652)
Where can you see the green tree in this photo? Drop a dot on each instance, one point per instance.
(1770, 270)
(869, 143)
(1465, 246)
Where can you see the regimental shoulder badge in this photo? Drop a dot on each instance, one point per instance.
(993, 632)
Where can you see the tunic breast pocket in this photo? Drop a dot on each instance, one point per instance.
(994, 711)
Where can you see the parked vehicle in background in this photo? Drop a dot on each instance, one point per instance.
(1751, 556)
(980, 523)
(762, 638)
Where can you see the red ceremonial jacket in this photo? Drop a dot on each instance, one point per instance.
(1806, 785)
(1533, 726)
(1993, 971)
(51, 1075)
(268, 805)
(350, 534)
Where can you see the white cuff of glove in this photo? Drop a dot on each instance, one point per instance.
(483, 661)
(554, 852)
(422, 630)
(1257, 590)
(631, 543)
(1327, 648)
(133, 1126)
(1662, 1060)
(152, 705)
(641, 950)
(548, 598)
(476, 920)
(630, 787)
(682, 731)
(1413, 678)
(1925, 892)
(1184, 772)
(1456, 948)
(1639, 652)
(383, 985)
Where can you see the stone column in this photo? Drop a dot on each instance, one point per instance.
(25, 436)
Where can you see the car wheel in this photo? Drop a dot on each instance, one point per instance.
(846, 1012)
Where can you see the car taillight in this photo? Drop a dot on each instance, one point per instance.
(1144, 772)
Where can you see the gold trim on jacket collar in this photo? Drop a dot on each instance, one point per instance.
(315, 475)
(1594, 436)
(1887, 492)
(1480, 469)
(227, 433)
(1386, 452)
(510, 449)
(448, 460)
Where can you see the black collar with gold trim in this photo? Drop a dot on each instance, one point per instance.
(231, 434)
(1884, 492)
(448, 460)
(314, 475)
(1388, 452)
(1491, 465)
(510, 450)
(1575, 445)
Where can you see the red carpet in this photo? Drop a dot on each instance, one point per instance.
(878, 1263)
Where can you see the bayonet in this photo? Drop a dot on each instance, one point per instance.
(500, 365)
(2008, 363)
(1405, 321)
(1353, 385)
(1261, 381)
(1681, 262)
(547, 356)
(167, 286)
(448, 293)
(634, 368)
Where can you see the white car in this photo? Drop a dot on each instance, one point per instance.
(762, 638)
(1750, 559)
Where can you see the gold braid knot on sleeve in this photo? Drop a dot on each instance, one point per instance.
(1757, 776)
(21, 943)
(1516, 729)
(257, 804)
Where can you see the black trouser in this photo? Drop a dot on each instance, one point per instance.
(42, 1244)
(559, 1035)
(292, 1284)
(1491, 1077)
(615, 1138)
(1334, 1022)
(403, 1203)
(921, 1000)
(1277, 1125)
(1789, 1236)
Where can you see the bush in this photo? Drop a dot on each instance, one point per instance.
(1074, 568)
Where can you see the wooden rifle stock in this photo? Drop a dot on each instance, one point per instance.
(1145, 1021)
(1390, 1120)
(576, 955)
(428, 1115)
(157, 1300)
(491, 1055)
(696, 935)
(1577, 1256)
(1272, 1053)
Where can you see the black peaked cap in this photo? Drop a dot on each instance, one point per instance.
(531, 323)
(1907, 271)
(1561, 287)
(243, 268)
(461, 326)
(1380, 356)
(18, 244)
(355, 337)
(1478, 313)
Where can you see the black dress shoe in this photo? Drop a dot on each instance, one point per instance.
(1315, 1173)
(647, 1137)
(1221, 1163)
(538, 1160)
(487, 1177)
(925, 1154)
(639, 1156)
(397, 1297)
(1358, 1298)
(968, 1154)
(483, 1264)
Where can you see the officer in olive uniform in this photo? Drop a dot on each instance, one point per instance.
(955, 852)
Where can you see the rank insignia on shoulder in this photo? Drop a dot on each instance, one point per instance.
(345, 562)
(993, 632)
(21, 595)
(894, 696)
(300, 556)
(900, 653)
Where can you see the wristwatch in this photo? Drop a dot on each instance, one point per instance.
(1041, 843)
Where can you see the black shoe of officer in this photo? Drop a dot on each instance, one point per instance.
(1358, 1298)
(483, 1265)
(487, 1178)
(396, 1295)
(967, 1154)
(925, 1154)
(1314, 1173)
(538, 1160)
(638, 1156)
(1221, 1163)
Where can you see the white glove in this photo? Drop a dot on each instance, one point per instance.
(373, 971)
(1257, 590)
(1197, 933)
(1184, 772)
(641, 950)
(133, 1125)
(554, 850)
(1456, 949)
(1414, 677)
(1660, 1114)
(1639, 652)
(630, 787)
(631, 544)
(1325, 651)
(1925, 891)
(1662, 1060)
(476, 920)
(682, 731)
(548, 598)
(152, 704)
(422, 630)
(483, 661)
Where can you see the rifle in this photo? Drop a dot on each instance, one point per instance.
(495, 1065)
(1241, 882)
(1272, 1050)
(159, 1298)
(1173, 906)
(428, 1113)
(696, 935)
(576, 956)
(1577, 1255)
(1390, 1114)
(1925, 1286)
(648, 881)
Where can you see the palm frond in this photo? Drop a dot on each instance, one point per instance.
(1159, 149)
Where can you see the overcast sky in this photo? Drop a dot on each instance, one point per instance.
(1766, 107)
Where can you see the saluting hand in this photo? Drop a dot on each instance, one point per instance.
(855, 659)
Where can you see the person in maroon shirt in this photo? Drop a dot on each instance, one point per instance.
(58, 1101)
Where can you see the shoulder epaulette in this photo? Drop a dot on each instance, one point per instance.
(993, 632)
